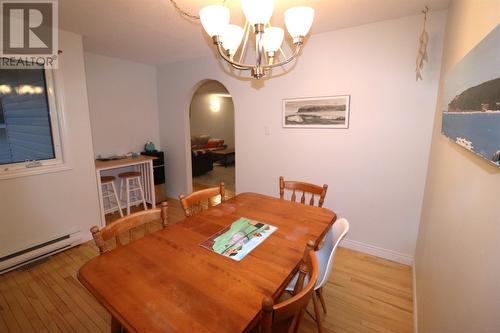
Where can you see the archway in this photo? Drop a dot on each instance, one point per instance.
(212, 132)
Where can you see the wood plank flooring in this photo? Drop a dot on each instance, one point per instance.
(364, 294)
(217, 175)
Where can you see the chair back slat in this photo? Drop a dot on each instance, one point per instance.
(322, 198)
(193, 203)
(126, 224)
(304, 188)
(291, 310)
(282, 188)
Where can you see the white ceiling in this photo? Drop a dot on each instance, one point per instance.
(152, 32)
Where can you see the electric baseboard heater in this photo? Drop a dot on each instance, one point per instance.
(37, 252)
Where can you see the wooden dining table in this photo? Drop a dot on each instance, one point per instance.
(167, 282)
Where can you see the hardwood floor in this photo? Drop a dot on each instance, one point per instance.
(364, 294)
(217, 175)
(197, 187)
(367, 294)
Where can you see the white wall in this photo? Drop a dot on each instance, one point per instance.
(123, 104)
(37, 207)
(375, 169)
(457, 270)
(216, 124)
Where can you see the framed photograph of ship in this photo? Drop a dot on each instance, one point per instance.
(316, 112)
(472, 100)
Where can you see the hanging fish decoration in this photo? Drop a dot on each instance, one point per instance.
(422, 48)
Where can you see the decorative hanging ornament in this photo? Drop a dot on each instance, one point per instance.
(422, 48)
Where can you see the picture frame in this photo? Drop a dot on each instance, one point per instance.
(317, 112)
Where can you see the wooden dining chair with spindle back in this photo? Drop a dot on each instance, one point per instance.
(297, 186)
(195, 202)
(126, 225)
(285, 317)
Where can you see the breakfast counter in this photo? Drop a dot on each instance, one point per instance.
(141, 163)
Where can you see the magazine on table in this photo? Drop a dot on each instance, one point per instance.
(239, 239)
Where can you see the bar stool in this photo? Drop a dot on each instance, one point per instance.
(110, 202)
(131, 189)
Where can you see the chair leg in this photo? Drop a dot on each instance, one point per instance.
(117, 200)
(122, 187)
(103, 193)
(116, 327)
(297, 322)
(317, 314)
(322, 300)
(127, 190)
(142, 193)
(108, 192)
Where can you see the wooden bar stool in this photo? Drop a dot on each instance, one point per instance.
(131, 190)
(109, 200)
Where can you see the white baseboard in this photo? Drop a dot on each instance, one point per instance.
(401, 258)
(415, 317)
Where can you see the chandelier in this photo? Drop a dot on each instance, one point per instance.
(228, 38)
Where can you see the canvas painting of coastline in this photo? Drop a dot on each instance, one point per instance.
(317, 112)
(472, 98)
(239, 239)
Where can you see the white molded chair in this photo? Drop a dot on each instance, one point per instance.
(325, 257)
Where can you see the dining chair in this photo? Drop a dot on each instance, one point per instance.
(126, 225)
(297, 186)
(325, 256)
(286, 316)
(195, 202)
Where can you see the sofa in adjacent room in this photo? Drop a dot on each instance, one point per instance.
(201, 159)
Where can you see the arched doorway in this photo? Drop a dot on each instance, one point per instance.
(211, 119)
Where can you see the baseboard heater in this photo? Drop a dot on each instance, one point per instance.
(37, 252)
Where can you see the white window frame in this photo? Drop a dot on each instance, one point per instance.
(59, 162)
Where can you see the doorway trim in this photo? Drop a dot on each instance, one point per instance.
(187, 126)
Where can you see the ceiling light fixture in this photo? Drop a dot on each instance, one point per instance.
(268, 40)
(215, 104)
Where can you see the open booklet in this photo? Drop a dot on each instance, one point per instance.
(239, 239)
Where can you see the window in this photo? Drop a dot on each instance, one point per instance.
(29, 129)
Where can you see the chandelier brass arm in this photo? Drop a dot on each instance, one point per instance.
(258, 70)
(298, 47)
(223, 53)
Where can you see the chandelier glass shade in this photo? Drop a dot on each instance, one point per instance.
(232, 37)
(257, 11)
(268, 39)
(215, 19)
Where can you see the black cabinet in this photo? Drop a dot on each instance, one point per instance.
(158, 166)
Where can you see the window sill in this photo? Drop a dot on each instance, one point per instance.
(25, 172)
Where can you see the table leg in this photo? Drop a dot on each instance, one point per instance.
(101, 203)
(152, 184)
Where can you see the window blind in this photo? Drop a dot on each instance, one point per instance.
(25, 127)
